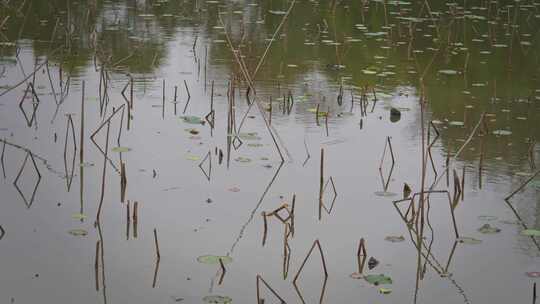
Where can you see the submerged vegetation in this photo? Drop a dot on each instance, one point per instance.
(299, 151)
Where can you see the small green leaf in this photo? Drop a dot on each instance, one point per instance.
(378, 279)
(394, 239)
(449, 72)
(531, 232)
(488, 229)
(502, 132)
(78, 216)
(192, 120)
(193, 157)
(217, 299)
(242, 159)
(78, 232)
(121, 149)
(469, 240)
(214, 259)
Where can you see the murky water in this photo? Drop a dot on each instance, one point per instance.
(152, 73)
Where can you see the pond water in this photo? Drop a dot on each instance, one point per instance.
(143, 140)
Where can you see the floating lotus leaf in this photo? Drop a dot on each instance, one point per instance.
(378, 279)
(192, 120)
(531, 232)
(193, 157)
(487, 217)
(78, 232)
(214, 259)
(369, 72)
(394, 239)
(385, 290)
(192, 131)
(242, 159)
(249, 136)
(502, 132)
(78, 216)
(120, 149)
(276, 12)
(217, 299)
(488, 229)
(456, 123)
(448, 72)
(469, 240)
(385, 193)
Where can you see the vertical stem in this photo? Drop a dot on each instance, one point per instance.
(321, 184)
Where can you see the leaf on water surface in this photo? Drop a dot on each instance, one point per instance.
(456, 123)
(531, 232)
(369, 72)
(378, 279)
(242, 159)
(214, 259)
(217, 299)
(448, 72)
(78, 216)
(394, 239)
(78, 232)
(249, 136)
(502, 132)
(192, 120)
(193, 157)
(488, 229)
(120, 149)
(469, 240)
(276, 12)
(177, 299)
(385, 193)
(192, 131)
(383, 290)
(487, 217)
(314, 110)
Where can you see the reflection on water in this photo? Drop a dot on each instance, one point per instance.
(119, 119)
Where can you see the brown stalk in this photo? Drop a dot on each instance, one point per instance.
(265, 232)
(103, 173)
(223, 271)
(318, 245)
(189, 96)
(96, 265)
(123, 182)
(261, 301)
(135, 218)
(128, 219)
(522, 185)
(361, 255)
(163, 102)
(321, 184)
(69, 176)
